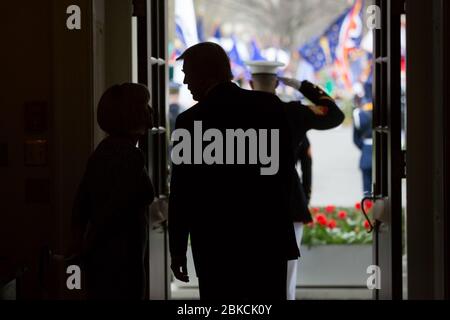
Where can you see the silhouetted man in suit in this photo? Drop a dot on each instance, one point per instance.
(235, 217)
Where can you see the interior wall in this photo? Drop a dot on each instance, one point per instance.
(73, 115)
(118, 41)
(425, 182)
(99, 59)
(446, 117)
(25, 77)
(112, 50)
(47, 66)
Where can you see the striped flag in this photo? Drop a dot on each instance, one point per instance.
(186, 22)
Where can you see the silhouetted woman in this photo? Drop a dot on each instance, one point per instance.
(110, 225)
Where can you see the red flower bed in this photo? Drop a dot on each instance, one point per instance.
(333, 225)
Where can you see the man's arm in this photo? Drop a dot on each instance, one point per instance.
(324, 114)
(178, 221)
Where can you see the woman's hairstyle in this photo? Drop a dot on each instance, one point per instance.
(124, 109)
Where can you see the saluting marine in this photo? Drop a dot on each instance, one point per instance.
(322, 115)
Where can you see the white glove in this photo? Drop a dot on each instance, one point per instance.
(294, 83)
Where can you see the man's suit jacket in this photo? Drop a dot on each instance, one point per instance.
(238, 220)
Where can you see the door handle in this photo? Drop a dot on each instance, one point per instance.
(376, 200)
(363, 209)
(158, 130)
(379, 210)
(381, 129)
(157, 61)
(382, 60)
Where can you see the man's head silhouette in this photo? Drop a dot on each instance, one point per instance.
(205, 65)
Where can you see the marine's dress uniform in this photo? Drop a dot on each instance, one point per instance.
(323, 115)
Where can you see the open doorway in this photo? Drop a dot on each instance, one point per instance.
(327, 43)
